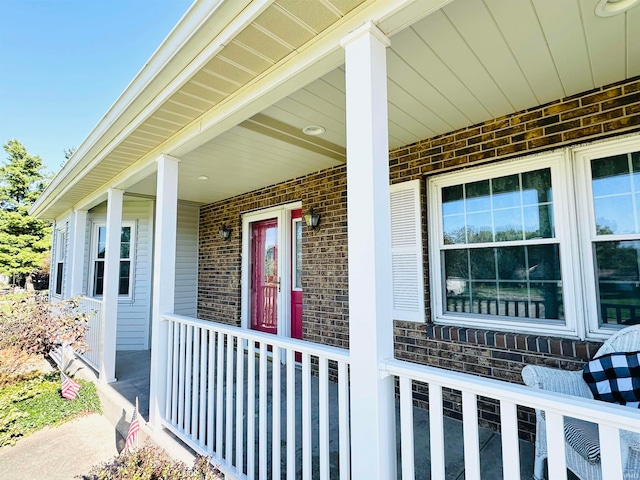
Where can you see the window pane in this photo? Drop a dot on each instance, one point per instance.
(518, 282)
(59, 274)
(454, 229)
(452, 200)
(125, 267)
(125, 250)
(538, 221)
(298, 254)
(102, 241)
(125, 235)
(477, 196)
(618, 282)
(614, 185)
(98, 277)
(508, 224)
(479, 228)
(536, 187)
(506, 191)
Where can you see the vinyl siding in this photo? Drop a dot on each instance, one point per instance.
(186, 301)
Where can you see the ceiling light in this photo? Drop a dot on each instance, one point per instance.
(201, 177)
(313, 130)
(608, 8)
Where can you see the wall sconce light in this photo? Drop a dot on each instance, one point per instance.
(312, 219)
(224, 232)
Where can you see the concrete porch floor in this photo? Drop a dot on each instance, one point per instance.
(132, 372)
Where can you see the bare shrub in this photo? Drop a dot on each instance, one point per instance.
(152, 463)
(34, 325)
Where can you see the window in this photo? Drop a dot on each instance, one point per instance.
(126, 254)
(60, 256)
(610, 186)
(500, 253)
(506, 251)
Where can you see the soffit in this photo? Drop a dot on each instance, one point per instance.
(468, 62)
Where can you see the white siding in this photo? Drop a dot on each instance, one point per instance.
(133, 314)
(187, 260)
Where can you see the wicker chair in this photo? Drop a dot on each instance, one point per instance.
(571, 383)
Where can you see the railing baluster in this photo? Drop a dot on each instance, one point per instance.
(187, 381)
(202, 409)
(219, 394)
(251, 410)
(471, 439)
(509, 430)
(182, 378)
(610, 459)
(195, 393)
(436, 431)
(343, 420)
(291, 416)
(275, 413)
(262, 414)
(240, 439)
(406, 428)
(228, 450)
(211, 424)
(323, 410)
(306, 416)
(556, 460)
(177, 328)
(170, 371)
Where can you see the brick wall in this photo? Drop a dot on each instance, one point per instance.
(608, 111)
(324, 250)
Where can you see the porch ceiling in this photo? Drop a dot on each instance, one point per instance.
(468, 62)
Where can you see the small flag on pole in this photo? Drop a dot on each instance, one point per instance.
(69, 387)
(134, 428)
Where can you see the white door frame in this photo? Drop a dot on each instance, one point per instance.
(283, 214)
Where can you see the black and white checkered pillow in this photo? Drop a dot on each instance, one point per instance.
(615, 378)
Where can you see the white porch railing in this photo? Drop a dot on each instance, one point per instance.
(93, 308)
(231, 394)
(609, 418)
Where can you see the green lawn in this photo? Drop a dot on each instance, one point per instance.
(30, 405)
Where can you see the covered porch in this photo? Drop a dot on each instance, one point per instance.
(273, 112)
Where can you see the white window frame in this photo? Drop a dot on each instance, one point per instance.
(294, 260)
(60, 258)
(132, 259)
(584, 196)
(566, 238)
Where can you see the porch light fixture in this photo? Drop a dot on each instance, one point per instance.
(313, 130)
(312, 219)
(224, 232)
(201, 177)
(609, 8)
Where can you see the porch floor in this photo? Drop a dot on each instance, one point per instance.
(132, 372)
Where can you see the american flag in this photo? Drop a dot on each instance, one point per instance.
(69, 387)
(134, 428)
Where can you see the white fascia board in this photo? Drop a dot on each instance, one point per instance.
(176, 44)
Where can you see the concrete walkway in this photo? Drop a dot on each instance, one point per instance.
(62, 452)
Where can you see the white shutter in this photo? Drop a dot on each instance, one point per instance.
(406, 252)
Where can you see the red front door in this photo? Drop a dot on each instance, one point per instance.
(265, 280)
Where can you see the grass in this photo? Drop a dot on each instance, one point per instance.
(31, 405)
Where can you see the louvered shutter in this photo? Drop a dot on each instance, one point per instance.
(406, 252)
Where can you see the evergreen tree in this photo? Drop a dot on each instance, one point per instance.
(24, 240)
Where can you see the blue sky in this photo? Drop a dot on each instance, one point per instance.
(63, 63)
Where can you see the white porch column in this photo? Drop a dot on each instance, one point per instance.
(77, 253)
(164, 274)
(373, 446)
(111, 286)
